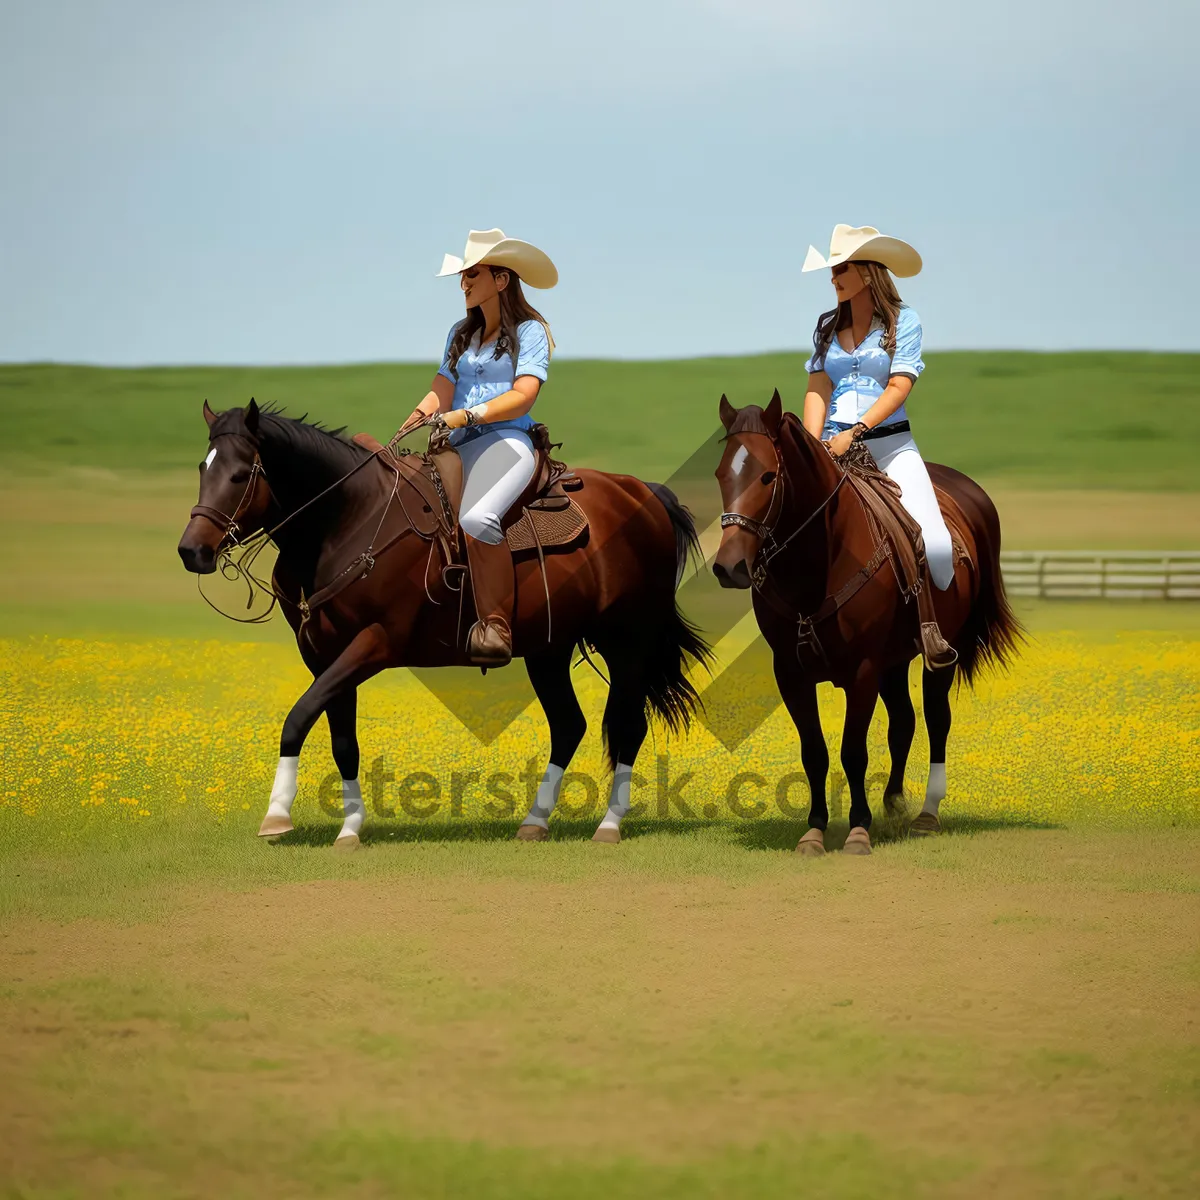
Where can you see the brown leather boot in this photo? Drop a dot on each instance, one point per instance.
(489, 642)
(935, 650)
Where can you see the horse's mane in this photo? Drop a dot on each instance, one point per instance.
(295, 433)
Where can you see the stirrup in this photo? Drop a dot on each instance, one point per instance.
(936, 651)
(489, 643)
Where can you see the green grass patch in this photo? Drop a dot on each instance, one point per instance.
(1051, 420)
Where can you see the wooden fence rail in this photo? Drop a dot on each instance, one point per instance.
(1103, 574)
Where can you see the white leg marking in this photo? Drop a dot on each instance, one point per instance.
(353, 809)
(546, 798)
(283, 790)
(935, 789)
(618, 800)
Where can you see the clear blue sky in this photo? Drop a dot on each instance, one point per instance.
(271, 181)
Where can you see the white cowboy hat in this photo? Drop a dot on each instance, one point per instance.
(865, 244)
(493, 249)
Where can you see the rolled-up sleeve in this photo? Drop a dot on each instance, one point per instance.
(444, 369)
(533, 356)
(907, 358)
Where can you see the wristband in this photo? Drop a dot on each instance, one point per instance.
(859, 430)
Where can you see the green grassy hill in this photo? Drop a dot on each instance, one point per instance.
(1117, 421)
(98, 466)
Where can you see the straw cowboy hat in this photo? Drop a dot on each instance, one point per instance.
(865, 244)
(491, 248)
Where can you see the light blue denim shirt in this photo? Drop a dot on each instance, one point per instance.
(860, 375)
(482, 376)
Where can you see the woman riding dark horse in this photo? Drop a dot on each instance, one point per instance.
(816, 552)
(494, 364)
(362, 573)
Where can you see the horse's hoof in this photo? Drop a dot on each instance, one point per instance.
(607, 834)
(347, 841)
(532, 833)
(925, 824)
(275, 825)
(812, 844)
(894, 802)
(858, 841)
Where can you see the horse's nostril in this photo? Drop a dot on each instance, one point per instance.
(737, 576)
(200, 560)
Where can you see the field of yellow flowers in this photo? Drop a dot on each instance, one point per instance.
(108, 738)
(1005, 1010)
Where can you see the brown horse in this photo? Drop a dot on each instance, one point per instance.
(323, 505)
(808, 548)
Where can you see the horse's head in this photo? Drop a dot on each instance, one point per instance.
(233, 490)
(751, 490)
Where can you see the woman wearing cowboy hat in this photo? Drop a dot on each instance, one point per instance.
(496, 360)
(866, 358)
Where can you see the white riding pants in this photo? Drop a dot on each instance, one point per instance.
(899, 459)
(497, 467)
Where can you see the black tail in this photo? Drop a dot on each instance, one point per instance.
(992, 634)
(669, 693)
(687, 540)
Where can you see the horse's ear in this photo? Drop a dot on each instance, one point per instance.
(773, 413)
(728, 412)
(251, 418)
(209, 415)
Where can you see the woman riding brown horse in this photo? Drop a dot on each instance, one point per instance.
(832, 610)
(494, 364)
(357, 531)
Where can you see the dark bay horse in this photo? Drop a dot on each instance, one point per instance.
(780, 491)
(615, 592)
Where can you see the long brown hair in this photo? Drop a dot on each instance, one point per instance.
(887, 309)
(514, 309)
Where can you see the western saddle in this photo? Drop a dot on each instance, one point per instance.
(897, 538)
(544, 518)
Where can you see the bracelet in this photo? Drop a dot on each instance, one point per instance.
(859, 430)
(472, 419)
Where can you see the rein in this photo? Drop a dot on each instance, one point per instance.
(228, 525)
(232, 569)
(806, 627)
(764, 530)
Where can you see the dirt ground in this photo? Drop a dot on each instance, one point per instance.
(1016, 1016)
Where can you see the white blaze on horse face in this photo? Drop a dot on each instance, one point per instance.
(208, 462)
(739, 459)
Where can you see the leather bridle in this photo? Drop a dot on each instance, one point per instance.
(231, 534)
(228, 525)
(807, 639)
(764, 530)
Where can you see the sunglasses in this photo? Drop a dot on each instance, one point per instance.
(842, 268)
(472, 273)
